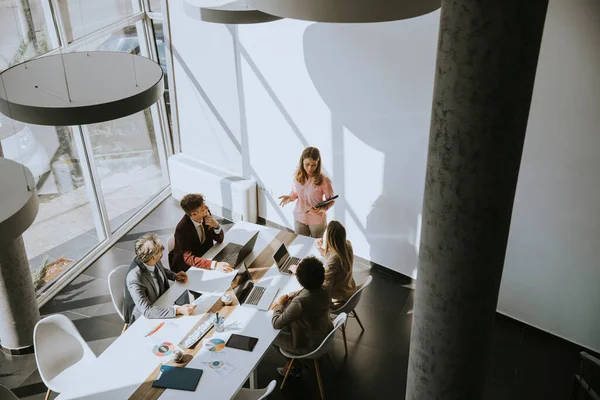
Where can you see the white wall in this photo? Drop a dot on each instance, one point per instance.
(252, 97)
(552, 270)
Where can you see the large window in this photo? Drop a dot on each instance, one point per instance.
(130, 165)
(91, 180)
(24, 31)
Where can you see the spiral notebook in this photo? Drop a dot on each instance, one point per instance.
(180, 378)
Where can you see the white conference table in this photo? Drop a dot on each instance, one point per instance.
(127, 363)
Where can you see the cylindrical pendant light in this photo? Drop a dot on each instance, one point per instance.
(226, 12)
(346, 10)
(79, 88)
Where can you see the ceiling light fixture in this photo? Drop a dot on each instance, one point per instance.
(226, 12)
(346, 10)
(79, 88)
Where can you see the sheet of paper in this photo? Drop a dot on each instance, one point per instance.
(222, 368)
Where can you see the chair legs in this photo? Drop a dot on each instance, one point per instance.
(48, 394)
(344, 335)
(287, 372)
(358, 320)
(124, 328)
(319, 379)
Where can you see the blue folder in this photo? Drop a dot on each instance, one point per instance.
(178, 378)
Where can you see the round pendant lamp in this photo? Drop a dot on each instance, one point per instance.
(346, 10)
(79, 88)
(226, 12)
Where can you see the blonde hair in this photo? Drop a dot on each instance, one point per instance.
(336, 242)
(148, 246)
(301, 175)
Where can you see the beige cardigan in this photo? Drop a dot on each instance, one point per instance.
(338, 279)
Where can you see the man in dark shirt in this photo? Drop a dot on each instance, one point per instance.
(197, 231)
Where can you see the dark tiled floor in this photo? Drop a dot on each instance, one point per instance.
(525, 363)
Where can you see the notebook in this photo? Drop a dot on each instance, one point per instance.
(178, 378)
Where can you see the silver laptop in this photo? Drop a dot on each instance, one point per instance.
(284, 261)
(250, 294)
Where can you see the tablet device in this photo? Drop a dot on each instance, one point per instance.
(241, 342)
(325, 202)
(187, 297)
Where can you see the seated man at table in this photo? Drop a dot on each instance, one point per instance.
(147, 280)
(303, 316)
(197, 231)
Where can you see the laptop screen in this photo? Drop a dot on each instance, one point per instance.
(281, 255)
(247, 249)
(242, 283)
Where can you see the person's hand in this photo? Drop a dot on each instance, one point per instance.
(181, 276)
(211, 221)
(281, 301)
(224, 267)
(187, 309)
(285, 200)
(293, 269)
(316, 210)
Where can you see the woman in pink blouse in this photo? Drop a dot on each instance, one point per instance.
(310, 188)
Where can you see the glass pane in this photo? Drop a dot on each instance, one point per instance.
(82, 17)
(162, 60)
(26, 31)
(123, 40)
(130, 162)
(155, 5)
(64, 229)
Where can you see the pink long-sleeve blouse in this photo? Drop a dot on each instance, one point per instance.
(307, 196)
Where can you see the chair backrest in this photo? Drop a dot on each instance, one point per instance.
(268, 390)
(353, 301)
(171, 243)
(588, 379)
(7, 394)
(58, 346)
(116, 287)
(327, 343)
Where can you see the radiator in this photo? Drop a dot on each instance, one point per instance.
(229, 196)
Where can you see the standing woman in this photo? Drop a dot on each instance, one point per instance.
(310, 188)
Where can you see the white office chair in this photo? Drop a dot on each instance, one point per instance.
(255, 394)
(116, 287)
(350, 308)
(60, 352)
(7, 394)
(321, 351)
(171, 243)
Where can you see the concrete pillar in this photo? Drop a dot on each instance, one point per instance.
(18, 304)
(486, 64)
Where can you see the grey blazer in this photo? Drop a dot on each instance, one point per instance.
(140, 292)
(306, 317)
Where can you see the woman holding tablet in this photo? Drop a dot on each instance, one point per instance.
(310, 188)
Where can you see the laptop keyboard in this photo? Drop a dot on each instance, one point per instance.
(231, 258)
(289, 262)
(256, 295)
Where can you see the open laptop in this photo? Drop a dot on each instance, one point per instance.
(250, 294)
(234, 253)
(284, 261)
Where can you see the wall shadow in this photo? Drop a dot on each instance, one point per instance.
(377, 80)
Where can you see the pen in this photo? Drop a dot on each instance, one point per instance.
(217, 318)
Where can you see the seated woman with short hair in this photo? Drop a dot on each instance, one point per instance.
(303, 316)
